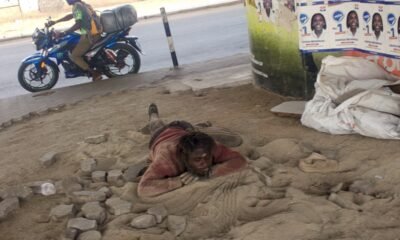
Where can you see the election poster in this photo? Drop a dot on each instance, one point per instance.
(344, 24)
(314, 34)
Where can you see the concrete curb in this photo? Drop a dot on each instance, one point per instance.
(235, 2)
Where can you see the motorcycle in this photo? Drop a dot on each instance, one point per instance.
(115, 54)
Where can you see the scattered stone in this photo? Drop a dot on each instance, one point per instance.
(144, 221)
(68, 185)
(118, 206)
(159, 212)
(176, 224)
(82, 224)
(88, 196)
(17, 120)
(48, 159)
(131, 174)
(61, 211)
(96, 139)
(283, 150)
(90, 235)
(21, 192)
(337, 188)
(114, 177)
(88, 165)
(41, 218)
(106, 191)
(71, 233)
(252, 154)
(96, 186)
(93, 211)
(263, 163)
(363, 186)
(7, 206)
(99, 176)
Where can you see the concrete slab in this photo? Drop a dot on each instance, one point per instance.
(290, 109)
(217, 72)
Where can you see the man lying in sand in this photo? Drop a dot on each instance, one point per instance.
(180, 155)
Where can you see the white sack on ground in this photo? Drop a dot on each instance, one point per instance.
(351, 97)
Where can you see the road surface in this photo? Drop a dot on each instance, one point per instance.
(198, 36)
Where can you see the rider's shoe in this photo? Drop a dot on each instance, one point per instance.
(96, 75)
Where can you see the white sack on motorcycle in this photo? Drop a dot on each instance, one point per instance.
(118, 18)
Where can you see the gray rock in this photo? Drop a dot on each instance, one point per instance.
(7, 206)
(90, 235)
(97, 139)
(99, 176)
(176, 224)
(71, 233)
(41, 218)
(131, 174)
(118, 206)
(88, 196)
(48, 159)
(88, 165)
(68, 185)
(144, 221)
(82, 224)
(114, 177)
(62, 211)
(21, 192)
(106, 191)
(365, 186)
(93, 211)
(159, 212)
(283, 150)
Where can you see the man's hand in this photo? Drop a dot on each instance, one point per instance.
(50, 23)
(187, 178)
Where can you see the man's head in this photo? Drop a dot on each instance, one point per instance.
(352, 22)
(195, 151)
(71, 2)
(377, 24)
(318, 23)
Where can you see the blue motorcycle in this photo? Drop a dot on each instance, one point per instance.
(115, 54)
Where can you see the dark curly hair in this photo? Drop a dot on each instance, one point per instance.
(191, 141)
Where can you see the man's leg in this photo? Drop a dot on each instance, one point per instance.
(155, 123)
(80, 49)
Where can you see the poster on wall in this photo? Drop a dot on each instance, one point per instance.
(313, 26)
(268, 10)
(372, 27)
(391, 26)
(344, 24)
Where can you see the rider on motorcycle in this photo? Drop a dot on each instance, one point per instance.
(90, 28)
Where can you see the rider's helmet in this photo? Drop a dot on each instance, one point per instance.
(71, 2)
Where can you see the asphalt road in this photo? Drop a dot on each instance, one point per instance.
(198, 36)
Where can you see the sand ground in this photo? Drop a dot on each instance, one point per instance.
(364, 206)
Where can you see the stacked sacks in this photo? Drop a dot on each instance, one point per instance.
(118, 18)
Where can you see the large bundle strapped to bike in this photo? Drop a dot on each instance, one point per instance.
(118, 19)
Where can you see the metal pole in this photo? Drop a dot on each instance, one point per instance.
(169, 37)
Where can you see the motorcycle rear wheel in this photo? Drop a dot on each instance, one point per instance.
(125, 55)
(28, 77)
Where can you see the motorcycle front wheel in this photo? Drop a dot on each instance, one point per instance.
(34, 81)
(126, 60)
